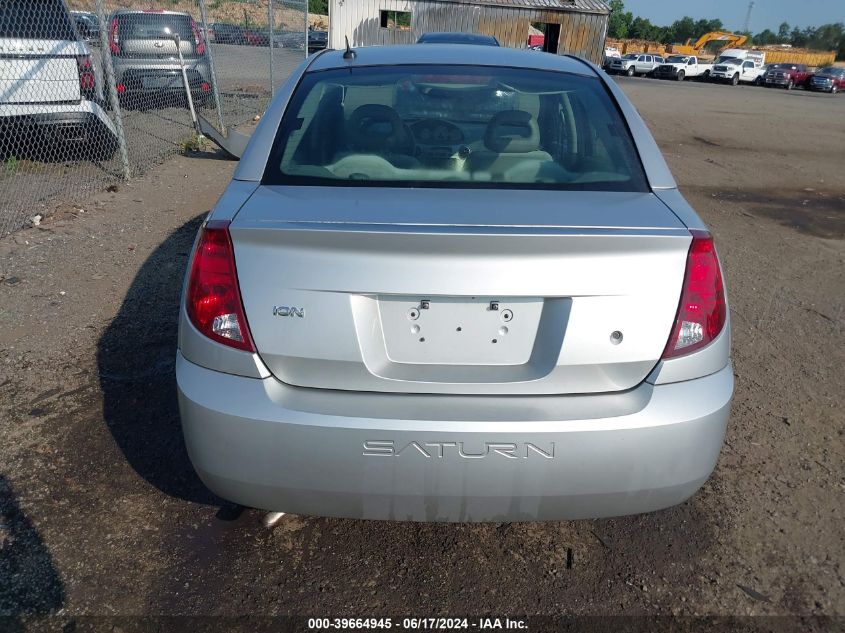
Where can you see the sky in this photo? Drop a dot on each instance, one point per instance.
(767, 14)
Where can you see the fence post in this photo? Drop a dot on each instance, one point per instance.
(305, 11)
(270, 19)
(114, 102)
(215, 90)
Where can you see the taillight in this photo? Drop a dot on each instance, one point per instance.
(214, 299)
(114, 39)
(702, 311)
(86, 75)
(198, 42)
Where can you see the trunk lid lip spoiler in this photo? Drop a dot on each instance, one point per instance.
(421, 227)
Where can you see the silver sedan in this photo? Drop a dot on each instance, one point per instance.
(453, 283)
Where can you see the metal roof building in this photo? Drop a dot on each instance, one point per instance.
(575, 27)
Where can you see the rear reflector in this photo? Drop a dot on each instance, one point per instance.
(702, 311)
(214, 299)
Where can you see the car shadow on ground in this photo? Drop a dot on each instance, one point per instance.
(29, 582)
(135, 360)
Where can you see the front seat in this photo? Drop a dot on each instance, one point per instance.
(378, 129)
(512, 139)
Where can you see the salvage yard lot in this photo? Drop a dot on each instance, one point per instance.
(101, 513)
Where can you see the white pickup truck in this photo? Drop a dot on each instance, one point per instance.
(634, 64)
(680, 67)
(735, 66)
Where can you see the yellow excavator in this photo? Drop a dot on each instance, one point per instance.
(731, 40)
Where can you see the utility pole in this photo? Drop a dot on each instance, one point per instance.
(747, 27)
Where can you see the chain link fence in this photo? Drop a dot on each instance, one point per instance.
(93, 92)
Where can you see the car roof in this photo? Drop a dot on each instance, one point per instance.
(452, 54)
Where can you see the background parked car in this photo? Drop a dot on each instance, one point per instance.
(146, 64)
(610, 53)
(257, 37)
(636, 64)
(680, 67)
(786, 75)
(222, 33)
(288, 39)
(87, 25)
(734, 70)
(317, 40)
(50, 95)
(829, 79)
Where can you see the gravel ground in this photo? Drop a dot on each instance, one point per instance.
(101, 513)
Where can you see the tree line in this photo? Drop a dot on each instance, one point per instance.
(624, 25)
(320, 7)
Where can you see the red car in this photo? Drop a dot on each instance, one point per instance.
(257, 37)
(786, 75)
(829, 79)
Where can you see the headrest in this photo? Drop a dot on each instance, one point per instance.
(376, 127)
(512, 132)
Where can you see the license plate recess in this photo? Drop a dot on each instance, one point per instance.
(459, 330)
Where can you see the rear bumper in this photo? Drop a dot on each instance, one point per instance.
(260, 443)
(78, 124)
(141, 76)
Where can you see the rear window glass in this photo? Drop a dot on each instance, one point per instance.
(454, 126)
(35, 19)
(154, 26)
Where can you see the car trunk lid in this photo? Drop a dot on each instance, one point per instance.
(459, 291)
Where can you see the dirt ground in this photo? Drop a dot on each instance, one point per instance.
(101, 513)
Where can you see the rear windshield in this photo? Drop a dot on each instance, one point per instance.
(154, 26)
(454, 126)
(36, 19)
(458, 38)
